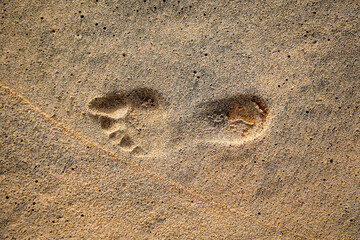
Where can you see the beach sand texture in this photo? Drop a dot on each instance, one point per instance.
(179, 119)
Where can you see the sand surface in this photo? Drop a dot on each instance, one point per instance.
(179, 119)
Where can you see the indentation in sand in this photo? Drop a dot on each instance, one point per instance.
(126, 117)
(136, 120)
(232, 120)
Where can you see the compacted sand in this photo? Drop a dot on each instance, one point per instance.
(179, 119)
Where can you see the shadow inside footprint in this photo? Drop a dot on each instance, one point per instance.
(108, 104)
(231, 120)
(128, 117)
(126, 142)
(106, 123)
(144, 98)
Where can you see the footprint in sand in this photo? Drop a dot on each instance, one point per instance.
(230, 121)
(129, 118)
(137, 121)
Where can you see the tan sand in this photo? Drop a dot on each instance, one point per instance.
(180, 119)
